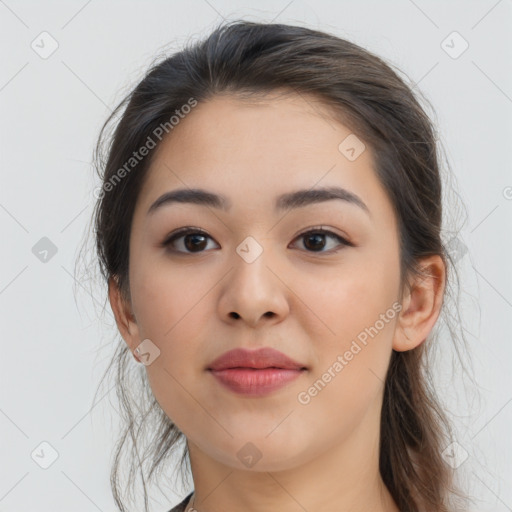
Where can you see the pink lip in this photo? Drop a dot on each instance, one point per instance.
(265, 357)
(255, 372)
(249, 381)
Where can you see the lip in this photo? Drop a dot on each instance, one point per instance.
(265, 357)
(255, 372)
(251, 382)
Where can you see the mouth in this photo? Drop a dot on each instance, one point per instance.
(260, 359)
(255, 372)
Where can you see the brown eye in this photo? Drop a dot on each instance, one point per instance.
(188, 240)
(315, 240)
(195, 240)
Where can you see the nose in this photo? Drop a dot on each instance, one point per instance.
(254, 292)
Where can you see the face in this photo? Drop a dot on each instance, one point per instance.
(318, 281)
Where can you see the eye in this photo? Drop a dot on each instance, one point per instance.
(314, 239)
(194, 240)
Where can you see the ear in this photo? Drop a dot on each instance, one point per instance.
(125, 319)
(421, 306)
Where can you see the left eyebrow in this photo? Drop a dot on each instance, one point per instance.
(297, 199)
(302, 198)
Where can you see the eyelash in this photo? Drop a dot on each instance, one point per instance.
(317, 230)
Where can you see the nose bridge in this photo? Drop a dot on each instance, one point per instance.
(250, 265)
(250, 249)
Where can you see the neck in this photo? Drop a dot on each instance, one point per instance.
(345, 476)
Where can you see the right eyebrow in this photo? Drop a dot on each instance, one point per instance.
(193, 196)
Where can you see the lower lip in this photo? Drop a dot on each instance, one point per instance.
(253, 382)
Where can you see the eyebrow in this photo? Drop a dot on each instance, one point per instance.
(288, 201)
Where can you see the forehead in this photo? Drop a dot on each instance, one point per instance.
(265, 131)
(253, 151)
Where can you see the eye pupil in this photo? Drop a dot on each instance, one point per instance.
(318, 241)
(195, 245)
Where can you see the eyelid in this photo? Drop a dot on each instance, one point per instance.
(327, 231)
(186, 230)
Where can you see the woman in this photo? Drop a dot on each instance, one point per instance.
(269, 226)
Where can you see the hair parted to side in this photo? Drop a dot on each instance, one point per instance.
(367, 95)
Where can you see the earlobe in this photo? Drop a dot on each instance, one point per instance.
(123, 314)
(421, 307)
(402, 340)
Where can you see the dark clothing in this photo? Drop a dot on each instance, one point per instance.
(180, 507)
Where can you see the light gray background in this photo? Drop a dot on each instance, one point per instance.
(54, 350)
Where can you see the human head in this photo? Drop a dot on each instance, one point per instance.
(245, 64)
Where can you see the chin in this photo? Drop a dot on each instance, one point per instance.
(259, 453)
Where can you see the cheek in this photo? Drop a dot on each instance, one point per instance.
(171, 311)
(348, 379)
(171, 314)
(338, 305)
(357, 324)
(165, 297)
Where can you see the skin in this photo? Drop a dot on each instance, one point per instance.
(322, 455)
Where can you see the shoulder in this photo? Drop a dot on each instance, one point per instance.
(180, 507)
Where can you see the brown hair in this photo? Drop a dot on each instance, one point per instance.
(367, 95)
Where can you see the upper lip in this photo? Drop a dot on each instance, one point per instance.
(261, 358)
